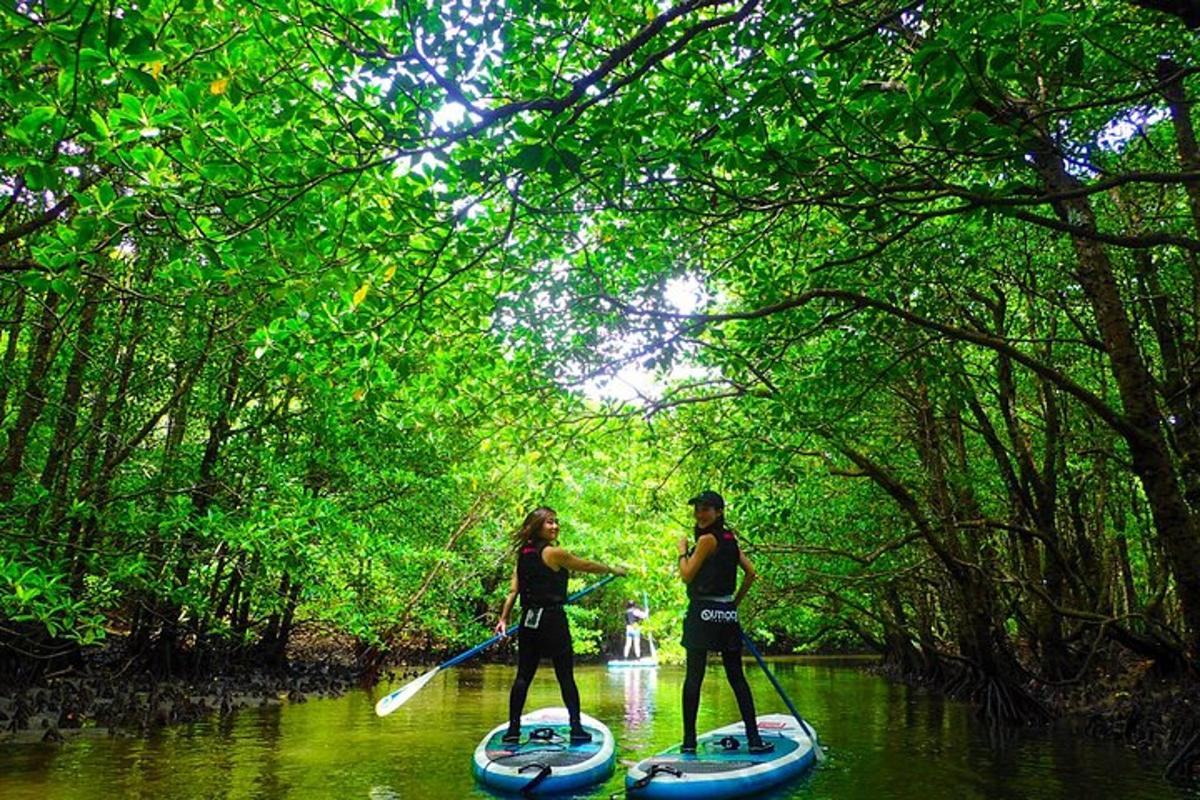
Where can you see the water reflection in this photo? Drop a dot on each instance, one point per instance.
(639, 686)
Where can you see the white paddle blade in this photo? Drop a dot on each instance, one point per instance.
(812, 735)
(390, 702)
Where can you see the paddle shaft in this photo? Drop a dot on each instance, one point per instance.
(399, 697)
(649, 635)
(778, 688)
(479, 648)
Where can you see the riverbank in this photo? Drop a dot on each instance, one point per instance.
(1145, 711)
(105, 690)
(136, 704)
(1128, 702)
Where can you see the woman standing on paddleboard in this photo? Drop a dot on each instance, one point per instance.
(709, 568)
(540, 578)
(633, 630)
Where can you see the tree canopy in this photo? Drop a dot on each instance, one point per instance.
(303, 301)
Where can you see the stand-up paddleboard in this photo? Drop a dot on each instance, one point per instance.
(632, 663)
(723, 765)
(545, 762)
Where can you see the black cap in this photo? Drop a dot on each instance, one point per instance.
(708, 498)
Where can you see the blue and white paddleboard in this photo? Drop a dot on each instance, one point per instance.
(545, 755)
(721, 769)
(633, 663)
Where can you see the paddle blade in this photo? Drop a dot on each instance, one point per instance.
(390, 702)
(818, 752)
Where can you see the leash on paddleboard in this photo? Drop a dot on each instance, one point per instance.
(812, 735)
(393, 700)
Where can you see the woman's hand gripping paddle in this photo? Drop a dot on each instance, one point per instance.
(393, 700)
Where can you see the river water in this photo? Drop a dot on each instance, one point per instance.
(883, 741)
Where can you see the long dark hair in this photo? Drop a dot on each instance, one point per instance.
(531, 528)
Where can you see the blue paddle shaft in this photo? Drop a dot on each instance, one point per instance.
(774, 682)
(479, 648)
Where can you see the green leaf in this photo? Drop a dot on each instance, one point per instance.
(530, 157)
(142, 80)
(36, 118)
(99, 125)
(1075, 59)
(571, 161)
(140, 44)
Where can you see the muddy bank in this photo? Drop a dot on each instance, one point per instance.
(133, 704)
(107, 690)
(1143, 710)
(1128, 701)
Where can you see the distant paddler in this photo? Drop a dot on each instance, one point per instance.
(633, 632)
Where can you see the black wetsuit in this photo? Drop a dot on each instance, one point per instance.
(544, 631)
(712, 624)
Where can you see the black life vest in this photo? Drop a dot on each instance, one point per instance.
(539, 585)
(718, 574)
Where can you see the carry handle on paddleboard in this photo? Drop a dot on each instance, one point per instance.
(390, 702)
(812, 735)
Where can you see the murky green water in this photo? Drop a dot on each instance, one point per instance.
(884, 741)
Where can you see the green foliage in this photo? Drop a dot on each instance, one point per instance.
(300, 301)
(29, 594)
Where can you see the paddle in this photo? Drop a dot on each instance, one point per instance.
(649, 635)
(820, 754)
(390, 702)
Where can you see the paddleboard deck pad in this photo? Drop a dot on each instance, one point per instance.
(544, 762)
(723, 766)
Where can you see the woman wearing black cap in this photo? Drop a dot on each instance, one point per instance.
(540, 578)
(709, 569)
